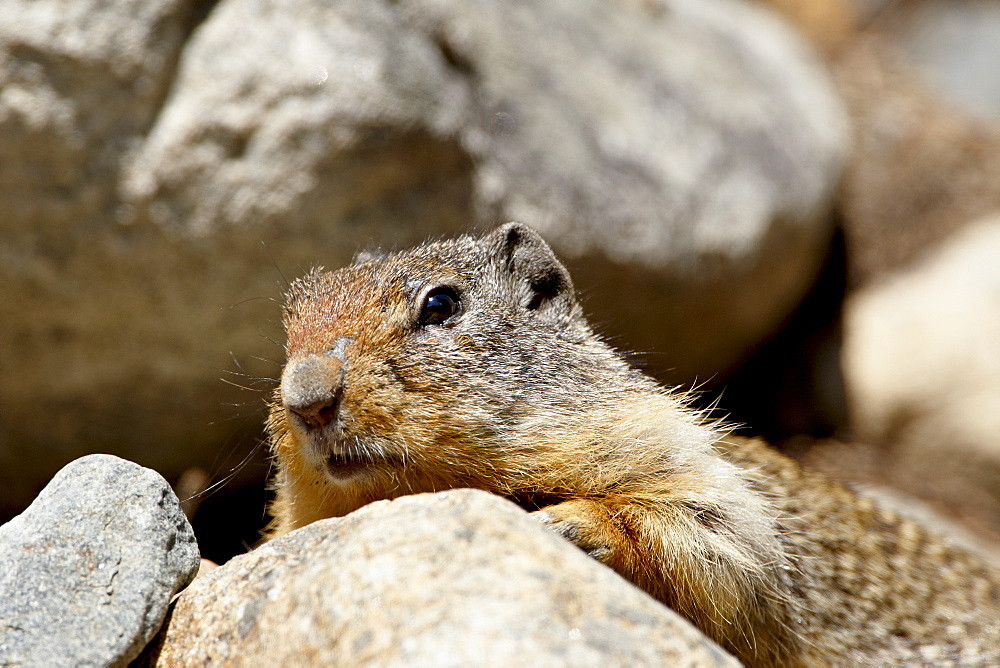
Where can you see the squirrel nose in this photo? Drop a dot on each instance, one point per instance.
(311, 387)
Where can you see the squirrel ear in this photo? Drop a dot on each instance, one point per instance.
(523, 253)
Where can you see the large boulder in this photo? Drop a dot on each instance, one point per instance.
(90, 567)
(452, 579)
(81, 83)
(680, 156)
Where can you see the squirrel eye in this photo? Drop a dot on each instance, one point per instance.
(439, 305)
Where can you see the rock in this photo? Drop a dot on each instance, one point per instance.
(955, 46)
(450, 579)
(699, 177)
(207, 566)
(90, 567)
(682, 155)
(922, 370)
(920, 168)
(81, 83)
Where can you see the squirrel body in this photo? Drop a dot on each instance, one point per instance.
(468, 363)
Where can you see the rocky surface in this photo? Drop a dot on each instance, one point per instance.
(451, 579)
(90, 567)
(919, 87)
(954, 45)
(922, 369)
(691, 149)
(81, 83)
(164, 167)
(162, 170)
(919, 170)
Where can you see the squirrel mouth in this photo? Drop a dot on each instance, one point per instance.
(344, 460)
(344, 466)
(341, 456)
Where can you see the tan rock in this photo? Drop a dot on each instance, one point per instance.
(922, 368)
(451, 579)
(81, 81)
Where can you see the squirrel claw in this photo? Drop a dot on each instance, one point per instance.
(584, 523)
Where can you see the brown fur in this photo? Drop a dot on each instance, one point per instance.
(514, 394)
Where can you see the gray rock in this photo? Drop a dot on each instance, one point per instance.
(956, 45)
(90, 567)
(457, 578)
(79, 81)
(688, 150)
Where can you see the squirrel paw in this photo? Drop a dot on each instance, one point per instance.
(584, 523)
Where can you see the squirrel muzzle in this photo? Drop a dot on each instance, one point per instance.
(312, 384)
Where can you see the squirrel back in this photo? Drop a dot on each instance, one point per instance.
(469, 363)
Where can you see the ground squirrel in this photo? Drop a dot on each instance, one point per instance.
(469, 363)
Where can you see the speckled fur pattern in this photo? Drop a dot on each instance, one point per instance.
(514, 394)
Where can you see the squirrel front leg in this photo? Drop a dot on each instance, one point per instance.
(610, 535)
(663, 551)
(587, 524)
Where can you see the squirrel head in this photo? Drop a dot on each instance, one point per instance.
(411, 370)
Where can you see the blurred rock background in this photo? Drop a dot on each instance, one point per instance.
(792, 205)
